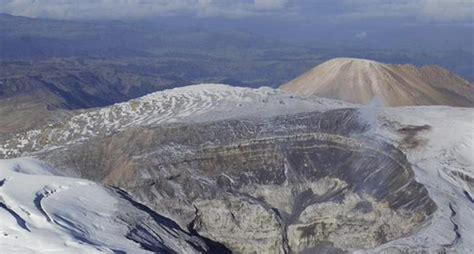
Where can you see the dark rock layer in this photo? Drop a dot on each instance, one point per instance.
(314, 181)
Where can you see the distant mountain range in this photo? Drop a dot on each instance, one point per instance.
(219, 54)
(360, 80)
(47, 66)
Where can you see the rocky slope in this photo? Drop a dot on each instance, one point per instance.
(286, 182)
(359, 80)
(258, 170)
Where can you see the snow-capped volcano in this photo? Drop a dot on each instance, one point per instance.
(359, 80)
(258, 170)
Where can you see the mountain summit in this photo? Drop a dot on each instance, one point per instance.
(359, 80)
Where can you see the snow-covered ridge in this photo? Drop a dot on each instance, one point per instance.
(443, 161)
(190, 103)
(42, 213)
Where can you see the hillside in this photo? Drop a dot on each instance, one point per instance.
(359, 80)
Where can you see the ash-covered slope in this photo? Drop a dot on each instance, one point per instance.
(359, 80)
(44, 213)
(262, 171)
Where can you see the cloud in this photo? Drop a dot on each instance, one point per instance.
(117, 9)
(447, 10)
(270, 4)
(361, 35)
(423, 10)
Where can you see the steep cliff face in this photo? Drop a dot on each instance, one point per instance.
(284, 184)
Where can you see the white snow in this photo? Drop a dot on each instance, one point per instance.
(448, 148)
(43, 213)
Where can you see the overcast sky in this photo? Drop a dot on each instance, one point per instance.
(384, 24)
(428, 11)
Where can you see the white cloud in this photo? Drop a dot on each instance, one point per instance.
(447, 10)
(424, 10)
(361, 35)
(270, 4)
(87, 9)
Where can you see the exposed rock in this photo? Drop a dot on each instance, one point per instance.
(256, 186)
(309, 177)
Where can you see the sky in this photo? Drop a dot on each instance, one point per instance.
(392, 24)
(422, 11)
